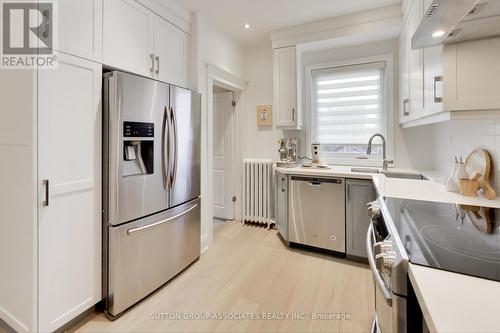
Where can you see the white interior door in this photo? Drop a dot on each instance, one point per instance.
(223, 155)
(69, 225)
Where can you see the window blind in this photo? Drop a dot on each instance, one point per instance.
(348, 104)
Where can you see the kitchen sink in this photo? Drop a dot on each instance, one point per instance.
(365, 170)
(389, 173)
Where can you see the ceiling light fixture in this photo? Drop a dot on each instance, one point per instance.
(247, 26)
(438, 33)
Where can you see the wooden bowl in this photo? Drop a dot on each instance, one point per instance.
(468, 187)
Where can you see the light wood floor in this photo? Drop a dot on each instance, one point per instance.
(249, 271)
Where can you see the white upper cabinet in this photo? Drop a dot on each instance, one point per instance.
(415, 63)
(128, 36)
(436, 82)
(140, 41)
(80, 28)
(285, 88)
(472, 75)
(404, 75)
(69, 224)
(171, 53)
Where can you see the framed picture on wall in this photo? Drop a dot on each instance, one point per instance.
(264, 115)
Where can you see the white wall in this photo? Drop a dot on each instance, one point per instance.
(259, 142)
(210, 46)
(404, 144)
(411, 145)
(460, 137)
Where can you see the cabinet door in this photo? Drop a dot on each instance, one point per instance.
(282, 204)
(128, 36)
(80, 28)
(285, 87)
(472, 75)
(404, 76)
(358, 194)
(69, 224)
(433, 79)
(415, 63)
(171, 52)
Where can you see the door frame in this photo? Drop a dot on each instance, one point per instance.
(229, 81)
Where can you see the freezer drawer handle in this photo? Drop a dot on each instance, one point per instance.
(376, 275)
(134, 230)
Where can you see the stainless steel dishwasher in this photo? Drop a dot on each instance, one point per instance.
(317, 212)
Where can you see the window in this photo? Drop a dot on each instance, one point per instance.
(348, 107)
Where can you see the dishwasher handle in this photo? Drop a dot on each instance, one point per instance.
(318, 181)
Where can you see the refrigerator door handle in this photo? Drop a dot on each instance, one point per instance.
(174, 162)
(134, 230)
(165, 149)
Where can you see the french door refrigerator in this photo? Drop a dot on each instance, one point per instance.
(151, 185)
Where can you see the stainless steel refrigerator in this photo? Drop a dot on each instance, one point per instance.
(151, 185)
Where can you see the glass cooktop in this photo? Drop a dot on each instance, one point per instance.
(458, 238)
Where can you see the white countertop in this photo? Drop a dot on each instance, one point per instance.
(340, 171)
(450, 302)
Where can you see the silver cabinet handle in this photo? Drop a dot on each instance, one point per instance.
(152, 68)
(282, 184)
(436, 98)
(315, 184)
(157, 64)
(293, 114)
(376, 275)
(406, 101)
(149, 226)
(46, 201)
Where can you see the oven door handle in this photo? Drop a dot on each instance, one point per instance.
(376, 275)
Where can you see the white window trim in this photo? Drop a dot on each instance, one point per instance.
(388, 107)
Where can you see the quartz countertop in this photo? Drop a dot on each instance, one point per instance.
(452, 302)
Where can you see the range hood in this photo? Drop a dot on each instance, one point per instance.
(451, 21)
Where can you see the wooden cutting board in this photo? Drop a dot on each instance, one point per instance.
(479, 161)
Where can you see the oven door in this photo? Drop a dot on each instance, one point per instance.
(390, 309)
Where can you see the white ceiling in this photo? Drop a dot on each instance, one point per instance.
(265, 16)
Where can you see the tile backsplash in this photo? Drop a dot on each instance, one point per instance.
(460, 137)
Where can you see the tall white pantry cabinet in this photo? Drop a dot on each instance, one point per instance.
(50, 239)
(50, 165)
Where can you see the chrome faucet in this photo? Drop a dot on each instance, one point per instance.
(369, 150)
